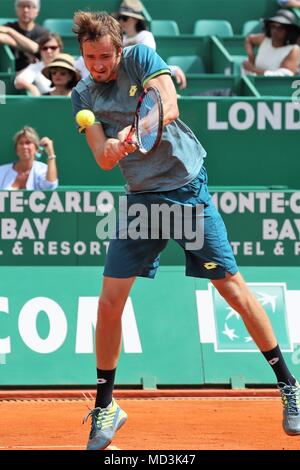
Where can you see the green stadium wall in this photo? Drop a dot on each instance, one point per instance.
(250, 141)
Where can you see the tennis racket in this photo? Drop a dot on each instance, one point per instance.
(146, 130)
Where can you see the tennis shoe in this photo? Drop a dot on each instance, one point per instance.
(290, 397)
(105, 422)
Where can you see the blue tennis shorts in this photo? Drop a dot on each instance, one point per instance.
(140, 238)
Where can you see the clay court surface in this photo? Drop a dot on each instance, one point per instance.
(225, 423)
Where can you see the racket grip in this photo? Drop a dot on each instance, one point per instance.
(131, 142)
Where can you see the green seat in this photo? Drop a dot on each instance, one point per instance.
(221, 28)
(7, 60)
(252, 27)
(164, 28)
(188, 63)
(7, 84)
(7, 20)
(63, 27)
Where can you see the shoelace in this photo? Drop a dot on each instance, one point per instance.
(292, 394)
(98, 416)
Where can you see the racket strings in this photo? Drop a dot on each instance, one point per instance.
(148, 126)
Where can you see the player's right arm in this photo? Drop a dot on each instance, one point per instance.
(107, 151)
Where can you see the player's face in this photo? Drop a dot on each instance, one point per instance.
(102, 59)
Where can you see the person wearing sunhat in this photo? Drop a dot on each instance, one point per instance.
(133, 23)
(278, 53)
(63, 75)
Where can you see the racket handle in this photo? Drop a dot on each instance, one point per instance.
(131, 142)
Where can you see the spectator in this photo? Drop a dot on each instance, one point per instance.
(135, 31)
(31, 78)
(26, 172)
(63, 75)
(278, 54)
(289, 3)
(133, 23)
(22, 35)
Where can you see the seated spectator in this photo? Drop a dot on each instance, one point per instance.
(27, 172)
(22, 35)
(135, 31)
(289, 3)
(31, 78)
(62, 74)
(133, 24)
(277, 54)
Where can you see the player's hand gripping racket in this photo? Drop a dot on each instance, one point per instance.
(146, 130)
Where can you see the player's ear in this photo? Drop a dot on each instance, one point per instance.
(119, 51)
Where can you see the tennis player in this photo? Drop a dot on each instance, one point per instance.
(173, 174)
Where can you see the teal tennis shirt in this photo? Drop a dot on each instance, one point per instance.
(179, 157)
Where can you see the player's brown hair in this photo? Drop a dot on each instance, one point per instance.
(91, 26)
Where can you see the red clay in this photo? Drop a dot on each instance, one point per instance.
(153, 424)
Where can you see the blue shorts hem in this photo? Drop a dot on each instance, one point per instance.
(219, 274)
(147, 274)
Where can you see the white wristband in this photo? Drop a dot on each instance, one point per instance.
(53, 157)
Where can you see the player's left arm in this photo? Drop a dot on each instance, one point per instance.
(168, 94)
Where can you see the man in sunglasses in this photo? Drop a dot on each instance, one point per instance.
(22, 35)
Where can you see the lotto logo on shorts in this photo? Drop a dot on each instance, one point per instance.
(210, 265)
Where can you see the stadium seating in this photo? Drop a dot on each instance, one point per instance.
(63, 27)
(184, 14)
(164, 28)
(273, 86)
(252, 27)
(199, 83)
(7, 83)
(7, 60)
(6, 20)
(221, 28)
(188, 63)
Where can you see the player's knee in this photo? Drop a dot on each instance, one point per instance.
(234, 294)
(109, 307)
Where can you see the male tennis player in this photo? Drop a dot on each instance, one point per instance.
(174, 174)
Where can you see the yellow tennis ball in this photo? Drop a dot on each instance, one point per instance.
(85, 118)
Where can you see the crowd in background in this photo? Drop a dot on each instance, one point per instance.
(43, 69)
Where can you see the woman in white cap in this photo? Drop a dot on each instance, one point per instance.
(277, 54)
(62, 74)
(133, 24)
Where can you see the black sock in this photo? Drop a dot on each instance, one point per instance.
(105, 386)
(277, 362)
